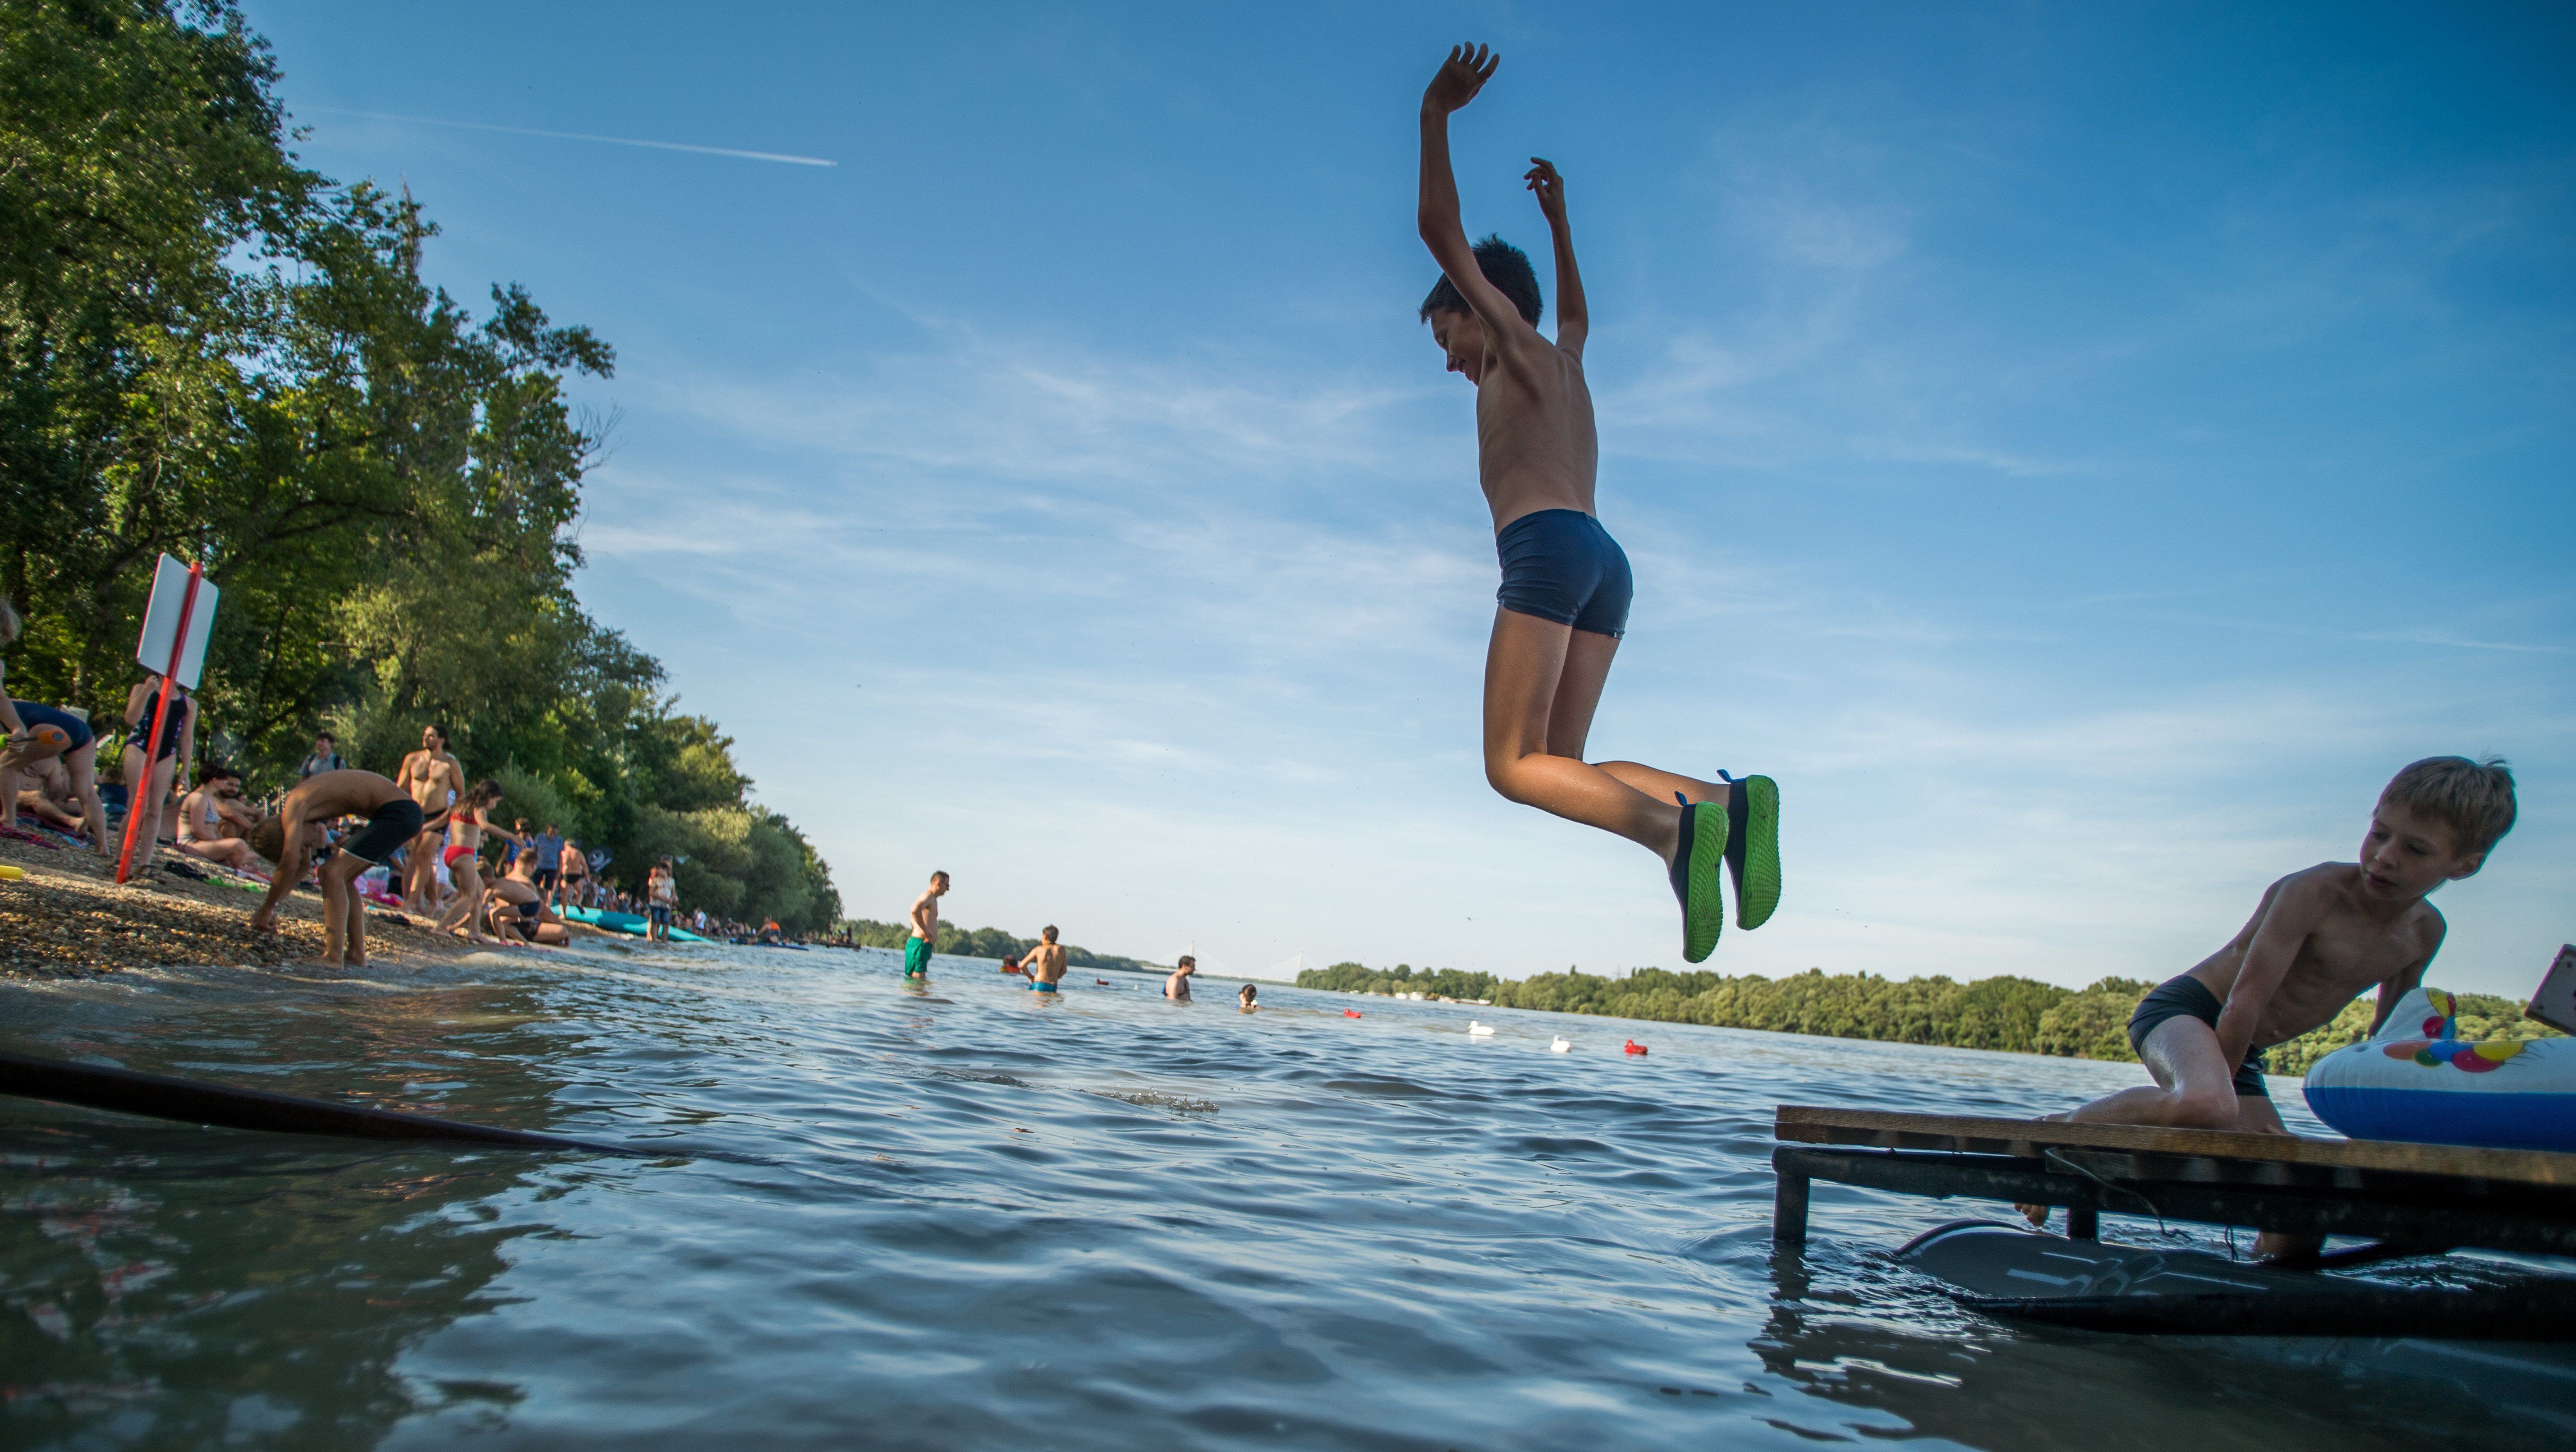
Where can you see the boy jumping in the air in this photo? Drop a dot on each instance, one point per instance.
(1564, 598)
(2318, 939)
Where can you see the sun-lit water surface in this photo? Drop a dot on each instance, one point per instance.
(995, 1220)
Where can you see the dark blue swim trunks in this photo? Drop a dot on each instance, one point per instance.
(1561, 565)
(2188, 997)
(35, 714)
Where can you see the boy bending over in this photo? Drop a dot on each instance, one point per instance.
(292, 838)
(2317, 939)
(1566, 585)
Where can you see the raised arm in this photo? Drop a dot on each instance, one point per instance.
(1573, 322)
(1460, 78)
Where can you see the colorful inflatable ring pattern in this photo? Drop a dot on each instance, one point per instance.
(2418, 1081)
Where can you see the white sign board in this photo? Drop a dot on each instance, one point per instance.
(161, 624)
(2555, 1003)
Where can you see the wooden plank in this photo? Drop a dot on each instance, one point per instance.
(2024, 1139)
(2475, 1220)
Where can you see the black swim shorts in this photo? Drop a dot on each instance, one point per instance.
(2188, 995)
(388, 827)
(1561, 565)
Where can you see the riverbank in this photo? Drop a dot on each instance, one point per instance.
(69, 918)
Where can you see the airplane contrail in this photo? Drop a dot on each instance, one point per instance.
(580, 136)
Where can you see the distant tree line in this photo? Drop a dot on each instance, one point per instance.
(980, 943)
(2020, 1015)
(209, 350)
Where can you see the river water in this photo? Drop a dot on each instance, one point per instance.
(988, 1219)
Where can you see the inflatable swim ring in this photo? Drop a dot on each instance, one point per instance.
(2417, 1080)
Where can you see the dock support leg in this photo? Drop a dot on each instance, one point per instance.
(2083, 1222)
(1789, 1209)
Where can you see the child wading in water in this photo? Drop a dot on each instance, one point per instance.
(1564, 598)
(2318, 938)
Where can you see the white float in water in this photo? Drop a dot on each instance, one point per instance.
(1477, 1030)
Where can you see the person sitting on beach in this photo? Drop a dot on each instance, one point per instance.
(214, 805)
(1566, 584)
(151, 776)
(1249, 997)
(435, 780)
(466, 824)
(1044, 963)
(2316, 941)
(516, 908)
(924, 917)
(290, 839)
(45, 793)
(1177, 987)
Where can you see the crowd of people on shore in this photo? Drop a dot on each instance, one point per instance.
(425, 843)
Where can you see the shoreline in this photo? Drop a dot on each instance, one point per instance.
(69, 919)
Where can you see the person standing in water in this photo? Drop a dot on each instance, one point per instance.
(1566, 583)
(1045, 963)
(1249, 997)
(1177, 987)
(924, 917)
(435, 780)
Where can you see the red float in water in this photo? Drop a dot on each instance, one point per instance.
(1633, 1047)
(1350, 1013)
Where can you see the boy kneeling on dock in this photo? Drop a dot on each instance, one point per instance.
(2317, 940)
(294, 835)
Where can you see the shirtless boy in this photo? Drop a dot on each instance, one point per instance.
(1045, 963)
(435, 780)
(925, 927)
(1177, 987)
(1566, 584)
(2317, 940)
(291, 838)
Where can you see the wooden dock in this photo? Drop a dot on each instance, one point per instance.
(2425, 1197)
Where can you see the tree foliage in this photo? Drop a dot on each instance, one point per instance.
(207, 349)
(2018, 1014)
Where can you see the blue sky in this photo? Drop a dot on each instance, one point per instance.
(2081, 452)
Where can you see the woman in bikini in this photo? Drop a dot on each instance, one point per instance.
(467, 821)
(149, 775)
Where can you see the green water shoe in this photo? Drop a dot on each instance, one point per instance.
(1753, 847)
(1694, 874)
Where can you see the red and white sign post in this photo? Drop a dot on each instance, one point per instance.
(173, 645)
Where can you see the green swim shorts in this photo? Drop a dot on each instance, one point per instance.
(916, 957)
